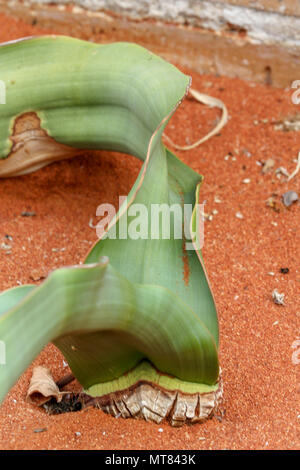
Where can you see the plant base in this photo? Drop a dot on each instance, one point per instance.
(151, 401)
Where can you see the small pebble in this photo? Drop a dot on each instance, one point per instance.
(5, 246)
(239, 215)
(289, 198)
(35, 275)
(28, 214)
(247, 153)
(277, 297)
(246, 181)
(160, 430)
(268, 165)
(284, 270)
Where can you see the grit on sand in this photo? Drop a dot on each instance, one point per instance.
(243, 257)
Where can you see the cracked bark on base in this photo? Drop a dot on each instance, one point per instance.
(144, 400)
(148, 402)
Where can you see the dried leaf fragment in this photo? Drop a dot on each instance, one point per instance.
(282, 171)
(209, 101)
(268, 165)
(42, 387)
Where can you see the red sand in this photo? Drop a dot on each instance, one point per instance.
(261, 397)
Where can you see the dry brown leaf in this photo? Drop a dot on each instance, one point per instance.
(209, 101)
(42, 387)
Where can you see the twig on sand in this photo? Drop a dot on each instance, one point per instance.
(65, 380)
(296, 169)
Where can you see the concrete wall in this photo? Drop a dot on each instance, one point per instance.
(262, 20)
(253, 39)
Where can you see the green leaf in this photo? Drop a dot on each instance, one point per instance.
(149, 298)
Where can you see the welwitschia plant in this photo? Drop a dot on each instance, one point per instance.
(137, 322)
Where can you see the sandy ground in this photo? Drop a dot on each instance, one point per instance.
(262, 385)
